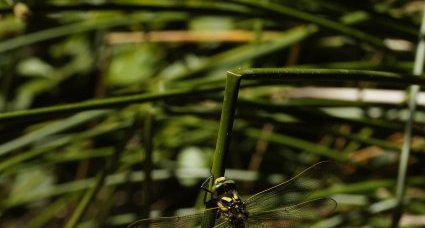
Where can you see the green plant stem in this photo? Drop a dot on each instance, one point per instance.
(105, 103)
(65, 30)
(298, 143)
(250, 51)
(223, 138)
(87, 199)
(314, 113)
(326, 75)
(226, 124)
(407, 140)
(110, 167)
(272, 9)
(129, 19)
(288, 74)
(50, 129)
(385, 20)
(148, 166)
(157, 5)
(360, 138)
(122, 177)
(59, 142)
(50, 211)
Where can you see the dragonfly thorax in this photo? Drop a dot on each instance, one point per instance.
(230, 205)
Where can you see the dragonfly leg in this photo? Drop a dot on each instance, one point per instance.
(204, 186)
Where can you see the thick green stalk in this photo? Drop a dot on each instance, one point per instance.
(224, 136)
(404, 157)
(226, 124)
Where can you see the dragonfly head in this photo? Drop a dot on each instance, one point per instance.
(222, 185)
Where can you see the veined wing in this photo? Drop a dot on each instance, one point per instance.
(221, 223)
(291, 192)
(185, 221)
(300, 215)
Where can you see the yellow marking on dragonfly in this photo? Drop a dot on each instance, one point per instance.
(225, 198)
(223, 208)
(220, 179)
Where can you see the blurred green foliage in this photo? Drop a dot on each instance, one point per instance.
(66, 52)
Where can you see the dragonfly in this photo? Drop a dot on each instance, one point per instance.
(288, 204)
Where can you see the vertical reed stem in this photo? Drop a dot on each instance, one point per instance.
(224, 136)
(404, 157)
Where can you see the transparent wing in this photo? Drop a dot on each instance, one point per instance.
(222, 224)
(291, 192)
(299, 215)
(186, 221)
